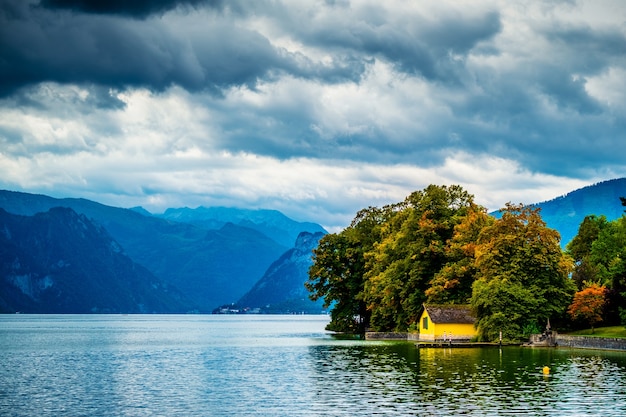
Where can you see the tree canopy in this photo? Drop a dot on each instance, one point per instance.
(337, 273)
(522, 275)
(413, 247)
(438, 246)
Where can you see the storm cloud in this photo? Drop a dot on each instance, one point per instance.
(213, 53)
(313, 107)
(135, 8)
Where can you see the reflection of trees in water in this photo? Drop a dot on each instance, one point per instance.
(400, 378)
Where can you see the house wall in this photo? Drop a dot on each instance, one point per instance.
(435, 331)
(458, 331)
(426, 333)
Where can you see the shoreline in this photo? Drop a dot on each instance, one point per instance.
(559, 341)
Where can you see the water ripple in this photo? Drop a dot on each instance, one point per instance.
(282, 366)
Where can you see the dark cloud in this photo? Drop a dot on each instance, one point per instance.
(100, 50)
(547, 122)
(567, 92)
(39, 45)
(131, 8)
(51, 43)
(431, 48)
(595, 44)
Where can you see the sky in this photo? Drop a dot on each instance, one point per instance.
(316, 108)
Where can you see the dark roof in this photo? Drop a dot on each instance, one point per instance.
(461, 314)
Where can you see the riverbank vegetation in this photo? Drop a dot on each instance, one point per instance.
(439, 246)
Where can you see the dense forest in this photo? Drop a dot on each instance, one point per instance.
(439, 246)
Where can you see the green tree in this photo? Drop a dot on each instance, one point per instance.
(337, 273)
(522, 275)
(580, 247)
(608, 257)
(412, 249)
(453, 283)
(599, 252)
(588, 231)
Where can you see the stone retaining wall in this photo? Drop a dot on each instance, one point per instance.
(580, 342)
(586, 342)
(385, 336)
(411, 337)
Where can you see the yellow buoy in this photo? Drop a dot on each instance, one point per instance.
(546, 370)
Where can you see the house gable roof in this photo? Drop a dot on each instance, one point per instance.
(459, 314)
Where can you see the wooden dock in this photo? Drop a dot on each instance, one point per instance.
(426, 345)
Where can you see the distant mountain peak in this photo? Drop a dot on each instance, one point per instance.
(141, 210)
(308, 241)
(281, 289)
(272, 223)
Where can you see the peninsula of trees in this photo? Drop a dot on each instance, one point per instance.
(438, 246)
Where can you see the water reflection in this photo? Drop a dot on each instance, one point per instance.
(283, 366)
(397, 379)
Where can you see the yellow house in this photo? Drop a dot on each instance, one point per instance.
(446, 322)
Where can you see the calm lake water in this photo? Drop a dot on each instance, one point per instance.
(147, 365)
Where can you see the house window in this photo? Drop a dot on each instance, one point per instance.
(425, 323)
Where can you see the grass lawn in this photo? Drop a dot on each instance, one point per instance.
(613, 331)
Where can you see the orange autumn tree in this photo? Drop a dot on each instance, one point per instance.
(588, 304)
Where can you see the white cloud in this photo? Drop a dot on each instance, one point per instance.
(609, 88)
(368, 101)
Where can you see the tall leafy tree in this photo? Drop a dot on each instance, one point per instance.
(453, 283)
(337, 273)
(608, 257)
(599, 252)
(411, 251)
(522, 275)
(580, 247)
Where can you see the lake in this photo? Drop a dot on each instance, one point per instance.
(247, 365)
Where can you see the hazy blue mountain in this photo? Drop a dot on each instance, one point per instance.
(271, 223)
(281, 289)
(141, 210)
(60, 262)
(210, 267)
(567, 212)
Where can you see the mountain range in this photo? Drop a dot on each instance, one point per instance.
(60, 262)
(209, 266)
(76, 256)
(271, 223)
